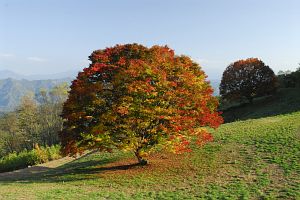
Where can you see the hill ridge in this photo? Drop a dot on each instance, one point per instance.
(12, 90)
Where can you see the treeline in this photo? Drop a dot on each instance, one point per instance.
(289, 79)
(36, 121)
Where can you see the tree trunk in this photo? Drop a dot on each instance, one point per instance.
(250, 99)
(141, 160)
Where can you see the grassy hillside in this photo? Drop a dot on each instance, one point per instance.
(252, 159)
(286, 100)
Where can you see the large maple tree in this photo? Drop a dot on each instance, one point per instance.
(136, 98)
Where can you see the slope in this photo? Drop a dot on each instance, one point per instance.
(286, 100)
(252, 159)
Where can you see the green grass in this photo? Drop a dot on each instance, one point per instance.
(285, 101)
(252, 159)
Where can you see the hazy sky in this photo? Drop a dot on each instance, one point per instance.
(50, 36)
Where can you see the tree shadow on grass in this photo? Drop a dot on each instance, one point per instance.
(79, 169)
(284, 102)
(23, 173)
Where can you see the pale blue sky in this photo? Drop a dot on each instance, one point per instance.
(50, 36)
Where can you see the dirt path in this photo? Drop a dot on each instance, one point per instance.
(21, 173)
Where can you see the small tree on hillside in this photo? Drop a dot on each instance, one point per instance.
(248, 79)
(28, 120)
(49, 112)
(134, 98)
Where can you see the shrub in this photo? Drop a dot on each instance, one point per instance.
(53, 152)
(16, 161)
(289, 80)
(25, 158)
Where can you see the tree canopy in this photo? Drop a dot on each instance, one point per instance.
(247, 79)
(136, 98)
(289, 78)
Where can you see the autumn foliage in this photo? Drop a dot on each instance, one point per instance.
(136, 98)
(247, 79)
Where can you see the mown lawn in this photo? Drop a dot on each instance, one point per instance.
(252, 159)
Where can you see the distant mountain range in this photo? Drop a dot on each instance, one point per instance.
(4, 74)
(12, 90)
(14, 86)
